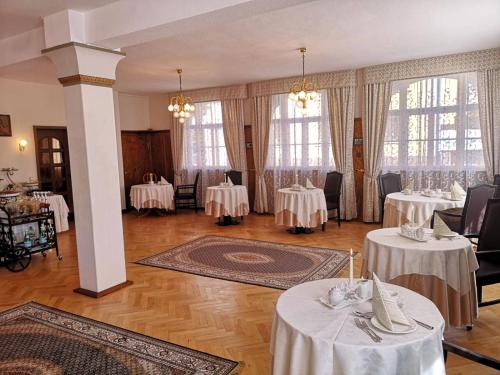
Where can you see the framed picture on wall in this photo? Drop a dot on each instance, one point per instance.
(5, 129)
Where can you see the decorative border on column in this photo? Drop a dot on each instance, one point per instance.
(102, 293)
(82, 79)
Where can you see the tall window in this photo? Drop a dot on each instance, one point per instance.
(298, 140)
(204, 146)
(433, 134)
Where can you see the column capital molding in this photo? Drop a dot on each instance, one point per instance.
(82, 79)
(83, 45)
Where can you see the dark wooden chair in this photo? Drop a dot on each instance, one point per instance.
(448, 347)
(235, 176)
(186, 195)
(468, 220)
(488, 250)
(496, 181)
(387, 183)
(332, 189)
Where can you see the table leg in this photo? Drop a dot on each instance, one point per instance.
(299, 230)
(227, 220)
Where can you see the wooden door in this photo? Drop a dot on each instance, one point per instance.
(161, 154)
(136, 159)
(358, 161)
(52, 157)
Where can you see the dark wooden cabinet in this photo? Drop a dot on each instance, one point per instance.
(144, 152)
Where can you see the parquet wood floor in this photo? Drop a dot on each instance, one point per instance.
(224, 318)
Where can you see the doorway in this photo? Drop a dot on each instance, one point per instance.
(52, 159)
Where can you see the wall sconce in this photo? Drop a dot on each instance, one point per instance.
(22, 144)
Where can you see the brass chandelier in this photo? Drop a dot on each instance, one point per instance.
(303, 92)
(181, 105)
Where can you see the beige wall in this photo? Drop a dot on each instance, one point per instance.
(27, 104)
(160, 117)
(134, 112)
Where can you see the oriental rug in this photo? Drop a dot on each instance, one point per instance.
(37, 339)
(269, 264)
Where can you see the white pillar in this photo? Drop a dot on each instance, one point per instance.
(87, 74)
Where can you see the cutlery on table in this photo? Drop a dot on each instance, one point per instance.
(369, 315)
(367, 327)
(362, 327)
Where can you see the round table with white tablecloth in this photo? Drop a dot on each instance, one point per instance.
(304, 208)
(310, 338)
(152, 196)
(398, 208)
(227, 201)
(442, 270)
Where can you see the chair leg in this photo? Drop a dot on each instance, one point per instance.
(479, 294)
(323, 227)
(338, 217)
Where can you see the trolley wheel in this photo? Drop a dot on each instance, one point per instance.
(19, 260)
(44, 254)
(60, 257)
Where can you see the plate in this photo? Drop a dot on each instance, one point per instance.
(9, 194)
(399, 329)
(450, 235)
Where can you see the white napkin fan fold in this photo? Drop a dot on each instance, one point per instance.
(385, 307)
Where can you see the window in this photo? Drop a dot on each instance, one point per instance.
(298, 140)
(204, 146)
(433, 125)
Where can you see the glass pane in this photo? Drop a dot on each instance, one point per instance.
(45, 173)
(55, 143)
(45, 159)
(59, 172)
(448, 94)
(59, 185)
(57, 157)
(44, 143)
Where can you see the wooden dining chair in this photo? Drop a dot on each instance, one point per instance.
(488, 251)
(332, 190)
(235, 176)
(449, 347)
(186, 196)
(468, 219)
(387, 183)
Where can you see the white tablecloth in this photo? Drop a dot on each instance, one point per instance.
(453, 261)
(152, 196)
(309, 338)
(305, 208)
(61, 211)
(227, 201)
(397, 208)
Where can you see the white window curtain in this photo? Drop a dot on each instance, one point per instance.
(204, 147)
(298, 144)
(433, 135)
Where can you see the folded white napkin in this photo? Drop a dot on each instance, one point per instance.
(457, 192)
(440, 227)
(385, 307)
(229, 182)
(309, 184)
(410, 186)
(163, 181)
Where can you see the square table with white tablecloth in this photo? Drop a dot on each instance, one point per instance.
(152, 196)
(221, 201)
(305, 208)
(400, 208)
(442, 270)
(310, 338)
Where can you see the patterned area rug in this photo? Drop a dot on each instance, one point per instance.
(269, 264)
(37, 339)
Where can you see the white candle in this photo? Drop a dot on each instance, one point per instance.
(411, 213)
(351, 268)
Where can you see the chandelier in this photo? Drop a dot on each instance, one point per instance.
(303, 92)
(180, 105)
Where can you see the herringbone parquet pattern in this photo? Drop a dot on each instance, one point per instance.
(224, 318)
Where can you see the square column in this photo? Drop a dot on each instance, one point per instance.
(87, 74)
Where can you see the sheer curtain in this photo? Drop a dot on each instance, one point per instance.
(299, 143)
(204, 147)
(433, 135)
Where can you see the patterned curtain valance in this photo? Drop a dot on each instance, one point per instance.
(346, 78)
(432, 66)
(215, 93)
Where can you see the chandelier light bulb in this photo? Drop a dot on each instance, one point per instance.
(300, 103)
(187, 114)
(313, 95)
(176, 114)
(170, 107)
(302, 94)
(187, 107)
(182, 113)
(181, 120)
(176, 107)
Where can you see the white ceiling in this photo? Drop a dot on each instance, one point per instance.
(17, 16)
(338, 34)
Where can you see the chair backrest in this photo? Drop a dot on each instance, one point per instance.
(235, 176)
(196, 179)
(475, 206)
(496, 180)
(489, 236)
(333, 186)
(389, 183)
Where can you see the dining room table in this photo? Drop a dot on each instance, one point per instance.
(443, 270)
(310, 338)
(227, 203)
(152, 196)
(300, 210)
(401, 208)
